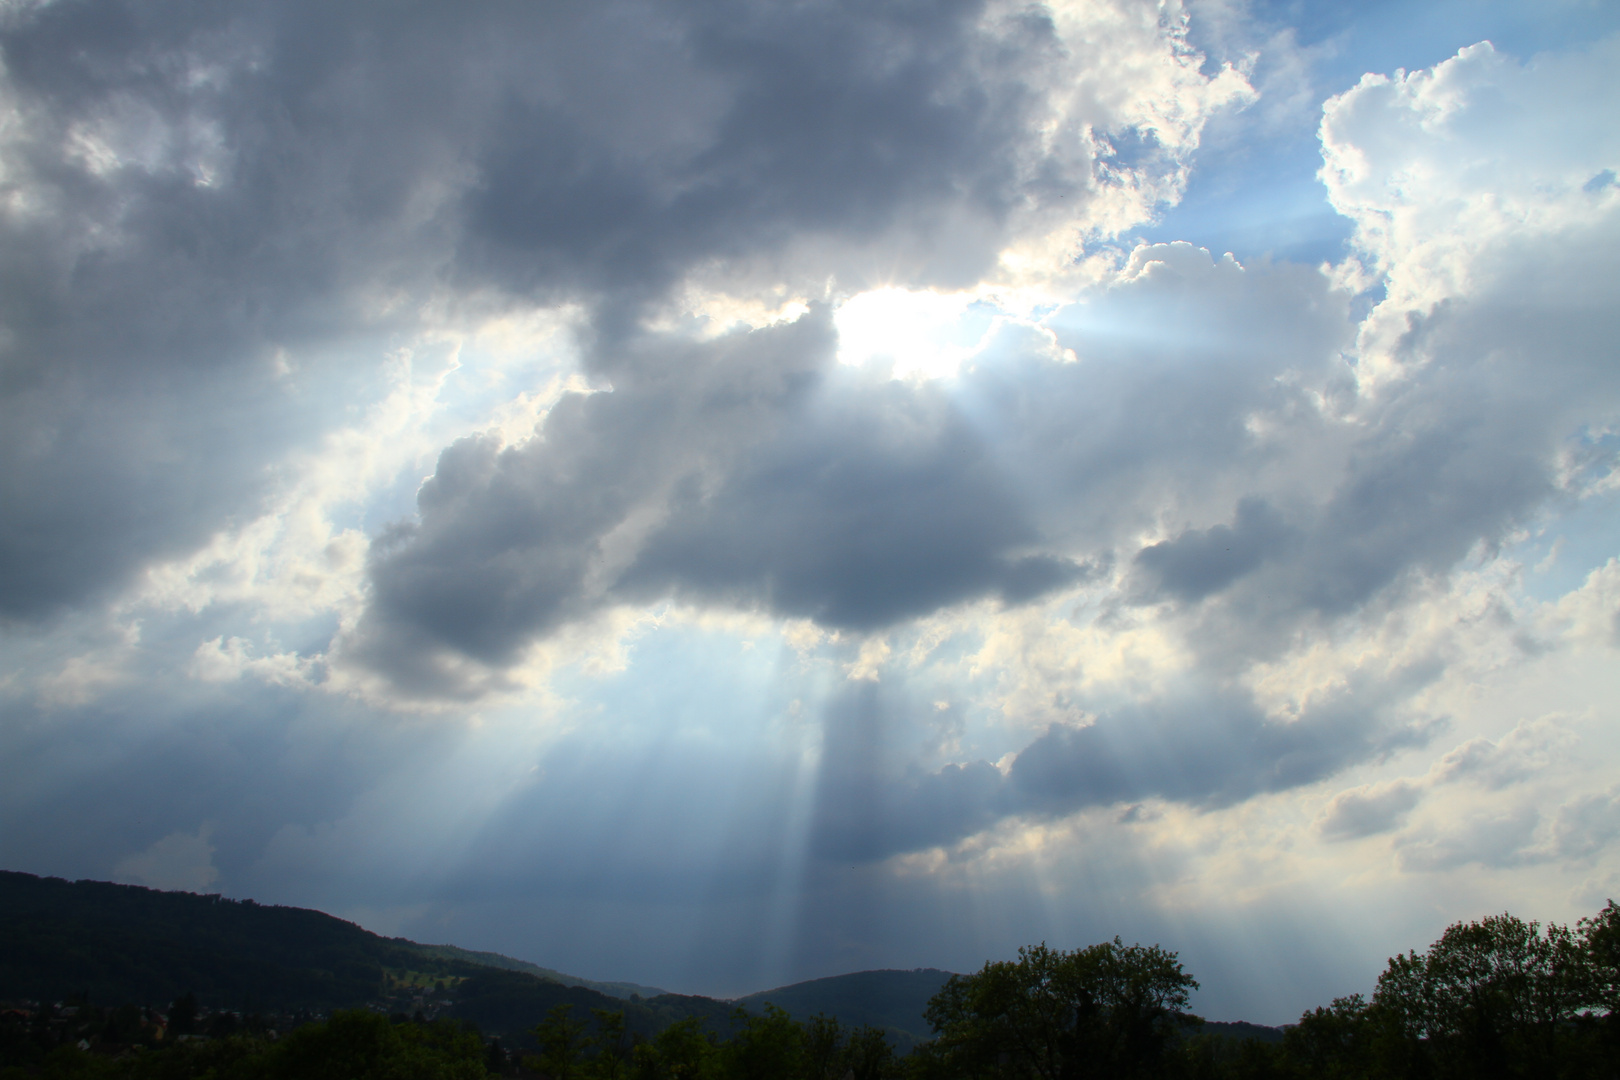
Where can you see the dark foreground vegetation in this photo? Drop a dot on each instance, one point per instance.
(1496, 998)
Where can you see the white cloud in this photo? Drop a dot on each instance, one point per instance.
(1526, 750)
(1459, 176)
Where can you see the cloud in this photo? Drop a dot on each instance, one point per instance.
(1586, 825)
(1369, 810)
(751, 471)
(178, 861)
(1526, 750)
(1490, 839)
(1200, 748)
(219, 222)
(1531, 746)
(1199, 562)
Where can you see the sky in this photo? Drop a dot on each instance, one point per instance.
(721, 494)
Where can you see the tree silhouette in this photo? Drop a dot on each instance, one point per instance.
(1108, 1010)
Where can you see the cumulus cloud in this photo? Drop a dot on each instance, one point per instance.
(1202, 561)
(1530, 747)
(749, 471)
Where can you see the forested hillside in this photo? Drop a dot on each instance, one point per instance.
(117, 944)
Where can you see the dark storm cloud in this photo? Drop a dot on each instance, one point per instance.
(836, 120)
(201, 196)
(182, 207)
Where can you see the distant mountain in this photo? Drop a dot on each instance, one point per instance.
(891, 1000)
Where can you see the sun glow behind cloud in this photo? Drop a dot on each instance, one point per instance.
(914, 334)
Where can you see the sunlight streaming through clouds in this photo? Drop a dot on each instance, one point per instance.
(743, 493)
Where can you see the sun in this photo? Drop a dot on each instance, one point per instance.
(916, 334)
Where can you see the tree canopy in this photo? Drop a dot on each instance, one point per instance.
(1107, 1010)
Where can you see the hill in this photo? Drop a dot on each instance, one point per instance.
(116, 944)
(891, 1000)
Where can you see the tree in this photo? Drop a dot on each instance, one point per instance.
(1108, 1010)
(1599, 939)
(682, 1051)
(562, 1043)
(361, 1045)
(1489, 997)
(612, 1061)
(1351, 1038)
(768, 1047)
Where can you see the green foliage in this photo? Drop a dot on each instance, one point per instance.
(1599, 938)
(562, 1044)
(1499, 997)
(768, 1047)
(1108, 1010)
(355, 1045)
(122, 943)
(1489, 997)
(362, 1045)
(1338, 1042)
(685, 1050)
(495, 960)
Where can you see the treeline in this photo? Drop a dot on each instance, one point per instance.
(1496, 998)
